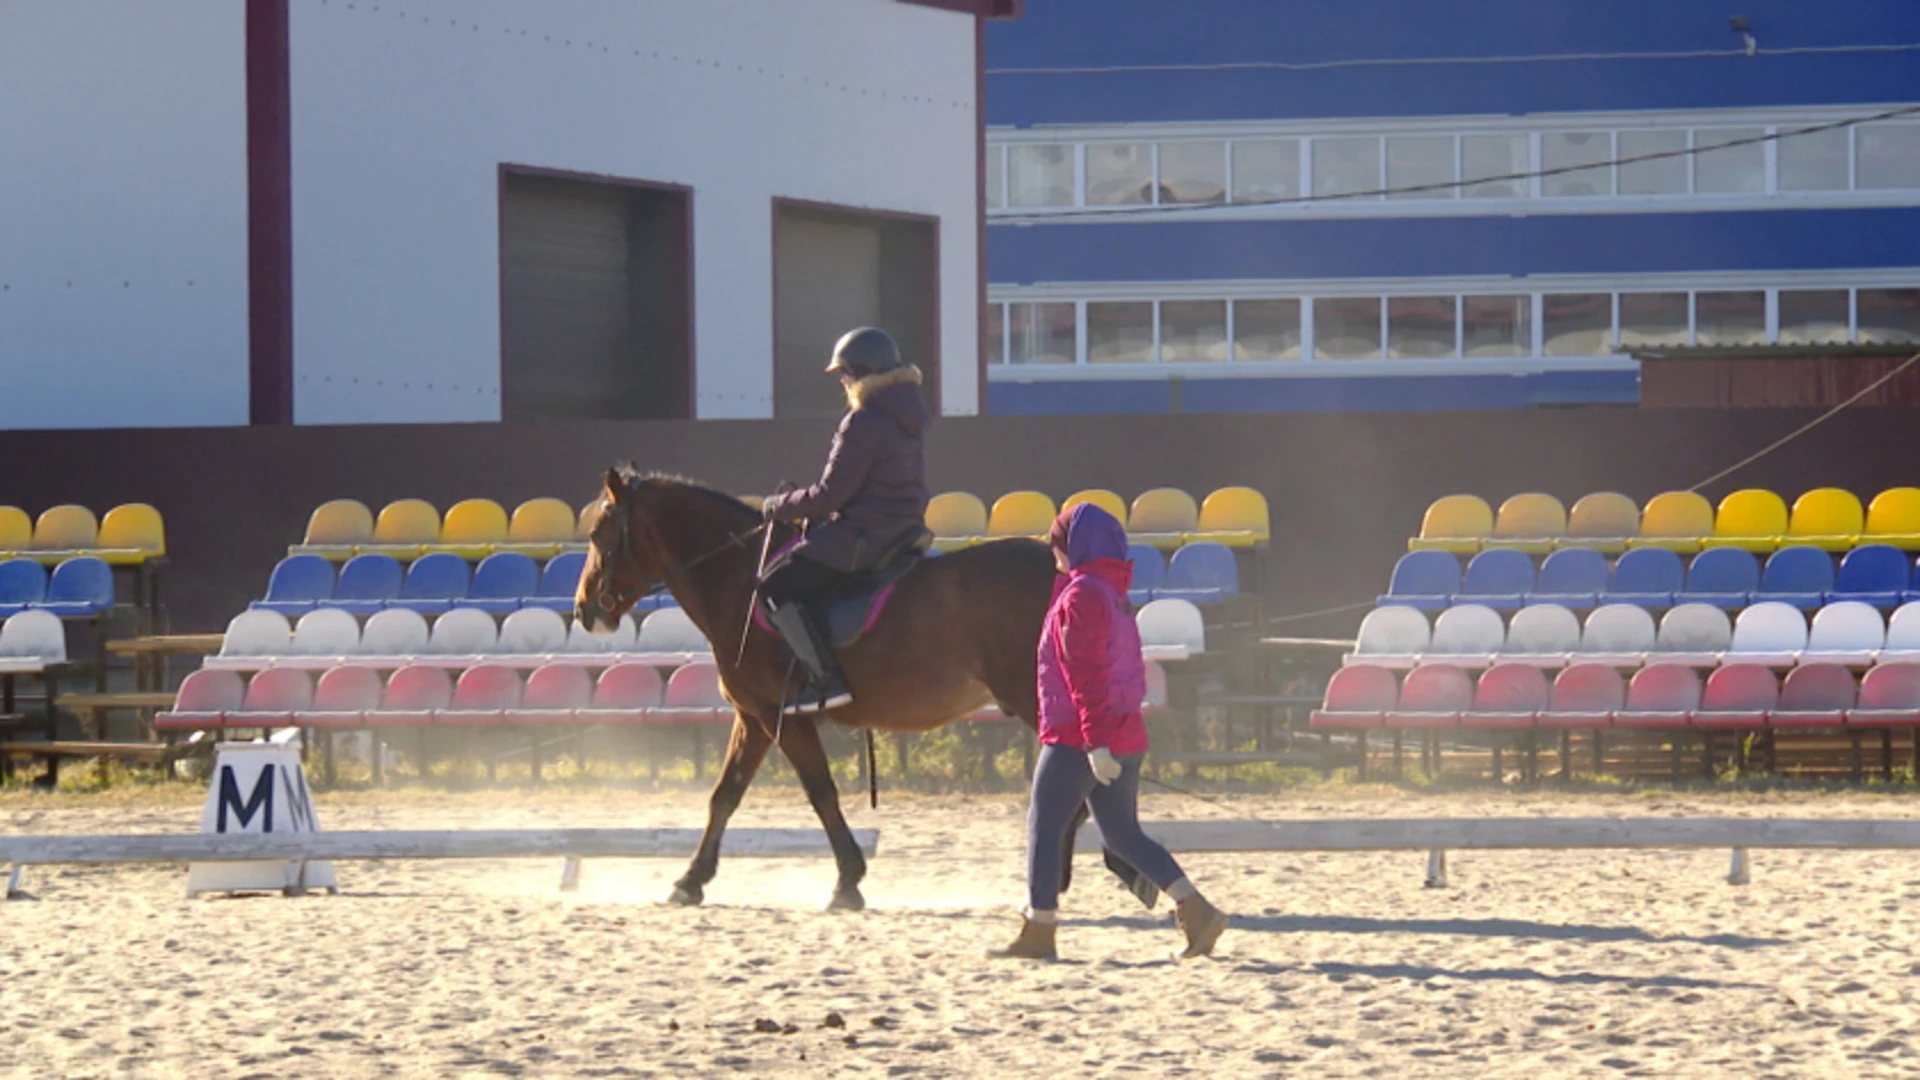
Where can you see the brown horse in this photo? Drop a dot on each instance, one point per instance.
(959, 633)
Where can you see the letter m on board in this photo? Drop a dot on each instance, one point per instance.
(260, 802)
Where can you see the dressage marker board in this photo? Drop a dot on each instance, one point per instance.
(1437, 836)
(299, 848)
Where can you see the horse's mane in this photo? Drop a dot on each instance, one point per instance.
(635, 477)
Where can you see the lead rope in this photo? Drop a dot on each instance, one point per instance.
(873, 774)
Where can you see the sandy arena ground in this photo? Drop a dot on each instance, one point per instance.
(1533, 964)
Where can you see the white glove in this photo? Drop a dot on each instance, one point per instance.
(1106, 769)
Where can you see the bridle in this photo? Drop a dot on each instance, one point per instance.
(611, 599)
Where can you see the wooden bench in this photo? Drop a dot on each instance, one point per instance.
(91, 704)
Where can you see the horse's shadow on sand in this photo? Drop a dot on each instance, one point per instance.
(1507, 928)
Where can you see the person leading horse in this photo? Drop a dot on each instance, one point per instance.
(871, 496)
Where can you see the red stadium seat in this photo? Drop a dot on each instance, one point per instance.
(343, 698)
(627, 694)
(1433, 697)
(1509, 696)
(273, 698)
(1814, 695)
(414, 693)
(1358, 696)
(1660, 697)
(1889, 697)
(1737, 696)
(1585, 697)
(554, 693)
(482, 697)
(205, 697)
(693, 696)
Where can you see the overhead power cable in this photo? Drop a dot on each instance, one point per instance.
(1453, 61)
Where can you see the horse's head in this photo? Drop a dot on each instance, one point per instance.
(623, 561)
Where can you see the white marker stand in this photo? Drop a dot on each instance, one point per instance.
(259, 788)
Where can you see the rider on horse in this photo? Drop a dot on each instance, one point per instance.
(872, 496)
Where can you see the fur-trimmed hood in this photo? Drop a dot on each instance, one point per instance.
(895, 393)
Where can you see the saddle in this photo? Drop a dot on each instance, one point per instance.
(849, 608)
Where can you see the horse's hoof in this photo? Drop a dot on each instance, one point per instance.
(847, 900)
(685, 897)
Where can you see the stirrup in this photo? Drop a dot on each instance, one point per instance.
(812, 700)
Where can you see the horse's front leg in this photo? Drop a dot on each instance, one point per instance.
(745, 751)
(800, 741)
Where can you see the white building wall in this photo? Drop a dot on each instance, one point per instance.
(402, 115)
(123, 213)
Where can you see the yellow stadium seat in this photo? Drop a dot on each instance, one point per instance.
(583, 523)
(1456, 523)
(1676, 520)
(1102, 498)
(132, 534)
(1162, 518)
(1236, 517)
(1021, 513)
(1826, 518)
(16, 530)
(1531, 523)
(472, 527)
(336, 530)
(1603, 521)
(404, 529)
(1751, 520)
(538, 529)
(1893, 517)
(957, 519)
(62, 531)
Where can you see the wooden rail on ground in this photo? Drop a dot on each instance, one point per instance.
(569, 844)
(1437, 836)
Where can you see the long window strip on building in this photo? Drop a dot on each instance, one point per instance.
(1417, 325)
(1459, 166)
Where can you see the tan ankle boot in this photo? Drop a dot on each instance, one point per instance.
(1034, 943)
(1202, 923)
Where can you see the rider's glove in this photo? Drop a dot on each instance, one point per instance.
(1106, 768)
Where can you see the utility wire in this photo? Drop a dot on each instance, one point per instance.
(1452, 61)
(1197, 209)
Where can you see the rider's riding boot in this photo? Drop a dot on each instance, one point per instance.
(1201, 922)
(826, 686)
(1034, 943)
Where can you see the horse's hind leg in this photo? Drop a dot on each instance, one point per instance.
(800, 741)
(745, 751)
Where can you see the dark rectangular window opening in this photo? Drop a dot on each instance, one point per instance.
(596, 298)
(836, 268)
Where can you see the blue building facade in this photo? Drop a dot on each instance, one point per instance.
(1250, 205)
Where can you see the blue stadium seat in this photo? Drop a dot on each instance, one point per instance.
(559, 581)
(502, 582)
(299, 584)
(1646, 577)
(1499, 578)
(80, 588)
(367, 583)
(1875, 574)
(1798, 575)
(1573, 578)
(1149, 571)
(23, 584)
(1724, 577)
(1202, 572)
(1423, 579)
(433, 583)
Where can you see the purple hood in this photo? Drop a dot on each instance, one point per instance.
(1091, 533)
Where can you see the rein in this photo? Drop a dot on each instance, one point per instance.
(622, 542)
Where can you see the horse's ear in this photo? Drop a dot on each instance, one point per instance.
(616, 487)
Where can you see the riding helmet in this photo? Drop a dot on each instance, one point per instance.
(863, 351)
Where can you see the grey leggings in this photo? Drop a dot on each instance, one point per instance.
(1061, 782)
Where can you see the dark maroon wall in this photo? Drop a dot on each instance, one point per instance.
(1346, 489)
